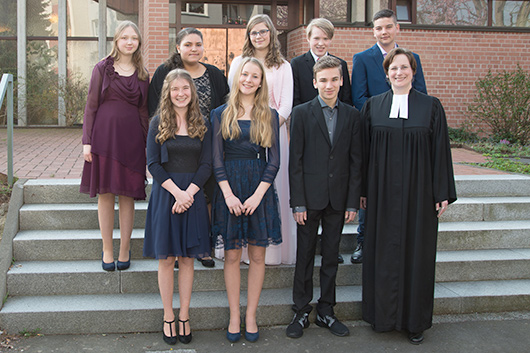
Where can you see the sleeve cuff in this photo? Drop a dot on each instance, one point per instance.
(299, 209)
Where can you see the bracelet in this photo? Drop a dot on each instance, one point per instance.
(229, 196)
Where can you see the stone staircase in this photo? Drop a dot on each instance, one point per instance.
(56, 284)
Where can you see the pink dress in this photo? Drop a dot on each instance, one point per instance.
(280, 83)
(115, 125)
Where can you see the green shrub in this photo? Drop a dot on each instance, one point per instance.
(462, 135)
(502, 102)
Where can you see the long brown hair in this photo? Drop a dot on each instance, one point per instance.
(261, 132)
(168, 126)
(137, 58)
(274, 56)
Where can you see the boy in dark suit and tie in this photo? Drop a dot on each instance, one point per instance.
(325, 180)
(368, 79)
(319, 35)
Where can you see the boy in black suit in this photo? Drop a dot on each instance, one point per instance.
(325, 181)
(319, 35)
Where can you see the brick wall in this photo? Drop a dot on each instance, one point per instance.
(154, 24)
(452, 60)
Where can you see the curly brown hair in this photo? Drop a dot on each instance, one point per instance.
(168, 126)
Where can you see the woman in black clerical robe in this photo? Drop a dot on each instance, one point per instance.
(408, 183)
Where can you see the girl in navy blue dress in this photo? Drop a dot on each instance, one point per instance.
(246, 159)
(177, 224)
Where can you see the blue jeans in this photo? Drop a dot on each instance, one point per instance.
(360, 228)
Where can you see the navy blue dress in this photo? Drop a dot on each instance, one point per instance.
(185, 160)
(244, 165)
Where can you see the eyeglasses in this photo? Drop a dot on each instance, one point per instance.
(262, 33)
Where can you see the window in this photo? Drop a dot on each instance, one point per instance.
(194, 9)
(503, 13)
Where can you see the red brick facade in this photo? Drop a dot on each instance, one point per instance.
(452, 60)
(154, 24)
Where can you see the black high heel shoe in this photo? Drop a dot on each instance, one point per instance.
(184, 338)
(107, 266)
(171, 340)
(123, 265)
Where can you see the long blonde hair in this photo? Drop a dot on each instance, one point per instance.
(137, 58)
(261, 132)
(168, 127)
(274, 57)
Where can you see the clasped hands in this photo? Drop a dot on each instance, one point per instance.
(183, 201)
(247, 208)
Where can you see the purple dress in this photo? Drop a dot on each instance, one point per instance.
(115, 125)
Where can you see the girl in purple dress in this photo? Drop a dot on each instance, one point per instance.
(177, 224)
(114, 134)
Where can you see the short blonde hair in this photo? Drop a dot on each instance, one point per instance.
(325, 25)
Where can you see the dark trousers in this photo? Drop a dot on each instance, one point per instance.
(307, 235)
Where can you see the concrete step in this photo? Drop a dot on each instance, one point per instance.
(477, 209)
(38, 191)
(72, 216)
(67, 190)
(482, 265)
(122, 313)
(60, 216)
(85, 244)
(492, 185)
(483, 235)
(87, 277)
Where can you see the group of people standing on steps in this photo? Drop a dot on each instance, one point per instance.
(237, 169)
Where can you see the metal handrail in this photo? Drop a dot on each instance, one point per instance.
(6, 88)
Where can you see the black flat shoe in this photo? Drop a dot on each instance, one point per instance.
(110, 266)
(416, 337)
(123, 265)
(184, 338)
(171, 340)
(207, 262)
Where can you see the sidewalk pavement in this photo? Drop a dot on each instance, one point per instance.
(49, 153)
(476, 333)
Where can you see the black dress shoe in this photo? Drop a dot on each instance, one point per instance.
(333, 324)
(171, 339)
(341, 260)
(207, 262)
(416, 337)
(298, 324)
(357, 256)
(184, 338)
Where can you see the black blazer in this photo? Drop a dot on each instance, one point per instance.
(218, 83)
(321, 171)
(304, 90)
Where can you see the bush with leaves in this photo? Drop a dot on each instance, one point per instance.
(502, 103)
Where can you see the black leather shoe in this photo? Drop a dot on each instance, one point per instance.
(171, 339)
(333, 324)
(357, 256)
(416, 338)
(341, 259)
(298, 324)
(184, 338)
(207, 262)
